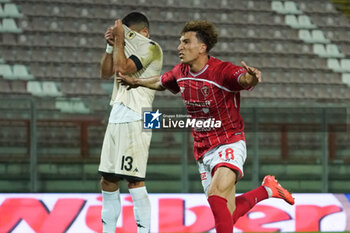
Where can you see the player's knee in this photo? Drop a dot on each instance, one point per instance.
(213, 190)
(104, 182)
(107, 185)
(135, 184)
(218, 189)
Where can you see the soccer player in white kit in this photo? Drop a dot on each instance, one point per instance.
(125, 147)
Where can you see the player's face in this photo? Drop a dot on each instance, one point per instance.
(190, 48)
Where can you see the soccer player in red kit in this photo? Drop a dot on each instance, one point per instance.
(210, 89)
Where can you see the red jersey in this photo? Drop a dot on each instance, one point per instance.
(212, 93)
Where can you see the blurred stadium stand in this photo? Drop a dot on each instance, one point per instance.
(49, 66)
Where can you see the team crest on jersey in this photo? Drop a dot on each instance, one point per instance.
(182, 89)
(205, 91)
(131, 35)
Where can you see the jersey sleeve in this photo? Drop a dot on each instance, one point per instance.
(231, 75)
(146, 53)
(168, 81)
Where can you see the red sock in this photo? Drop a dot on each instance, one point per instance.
(222, 216)
(247, 201)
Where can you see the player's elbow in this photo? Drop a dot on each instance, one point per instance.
(104, 74)
(125, 70)
(121, 69)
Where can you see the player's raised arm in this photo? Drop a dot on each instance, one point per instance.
(151, 82)
(121, 63)
(251, 78)
(106, 64)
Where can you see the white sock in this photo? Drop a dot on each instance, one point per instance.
(268, 190)
(110, 210)
(142, 209)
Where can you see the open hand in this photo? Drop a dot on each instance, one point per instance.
(252, 71)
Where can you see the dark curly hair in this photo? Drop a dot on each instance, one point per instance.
(205, 32)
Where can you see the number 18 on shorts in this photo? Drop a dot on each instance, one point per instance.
(231, 155)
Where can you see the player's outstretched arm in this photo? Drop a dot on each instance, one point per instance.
(151, 83)
(251, 78)
(106, 64)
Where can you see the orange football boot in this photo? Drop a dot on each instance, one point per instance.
(277, 190)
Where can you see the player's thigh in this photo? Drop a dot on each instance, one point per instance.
(223, 182)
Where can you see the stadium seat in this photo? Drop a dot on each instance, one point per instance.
(38, 70)
(38, 24)
(8, 54)
(35, 88)
(96, 89)
(305, 35)
(292, 21)
(323, 20)
(319, 37)
(21, 72)
(278, 7)
(9, 25)
(53, 71)
(300, 22)
(346, 78)
(9, 39)
(5, 87)
(83, 72)
(50, 89)
(54, 55)
(305, 22)
(345, 64)
(82, 88)
(11, 11)
(67, 70)
(72, 106)
(291, 8)
(19, 87)
(6, 71)
(67, 88)
(261, 5)
(79, 106)
(333, 51)
(334, 64)
(320, 50)
(2, 13)
(21, 55)
(345, 48)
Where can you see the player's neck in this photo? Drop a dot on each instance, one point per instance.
(199, 63)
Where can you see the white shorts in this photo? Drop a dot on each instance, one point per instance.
(229, 155)
(125, 151)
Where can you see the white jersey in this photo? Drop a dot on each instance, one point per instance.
(148, 58)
